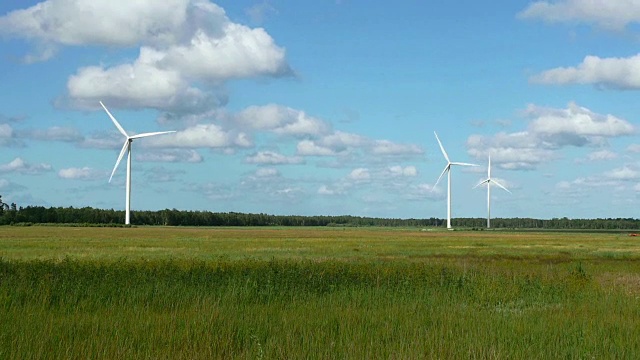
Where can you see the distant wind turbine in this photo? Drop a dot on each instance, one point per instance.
(126, 148)
(490, 181)
(447, 169)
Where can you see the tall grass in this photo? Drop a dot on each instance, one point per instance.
(312, 309)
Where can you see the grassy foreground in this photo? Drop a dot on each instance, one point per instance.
(84, 293)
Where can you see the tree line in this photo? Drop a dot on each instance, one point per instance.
(11, 214)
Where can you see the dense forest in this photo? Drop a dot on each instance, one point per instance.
(11, 214)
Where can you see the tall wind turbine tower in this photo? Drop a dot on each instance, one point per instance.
(490, 181)
(447, 169)
(126, 148)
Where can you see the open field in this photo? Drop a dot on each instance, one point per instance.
(299, 243)
(316, 293)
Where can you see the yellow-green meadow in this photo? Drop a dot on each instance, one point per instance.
(170, 292)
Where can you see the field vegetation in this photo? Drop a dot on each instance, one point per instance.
(164, 292)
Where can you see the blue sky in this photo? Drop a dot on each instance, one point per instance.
(323, 107)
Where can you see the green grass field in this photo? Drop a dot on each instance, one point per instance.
(330, 293)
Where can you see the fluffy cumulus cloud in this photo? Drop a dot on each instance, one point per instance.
(18, 165)
(507, 152)
(343, 143)
(311, 148)
(634, 148)
(84, 173)
(607, 14)
(137, 85)
(614, 73)
(273, 158)
(360, 175)
(90, 22)
(575, 125)
(625, 173)
(281, 120)
(201, 136)
(181, 42)
(548, 130)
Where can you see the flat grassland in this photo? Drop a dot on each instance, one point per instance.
(165, 292)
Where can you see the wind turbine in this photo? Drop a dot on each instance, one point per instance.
(126, 148)
(447, 169)
(490, 181)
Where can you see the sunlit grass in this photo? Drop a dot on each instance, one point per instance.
(305, 293)
(303, 243)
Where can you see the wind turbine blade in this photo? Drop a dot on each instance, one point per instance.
(463, 164)
(122, 152)
(114, 120)
(150, 134)
(480, 183)
(442, 148)
(489, 168)
(446, 168)
(500, 185)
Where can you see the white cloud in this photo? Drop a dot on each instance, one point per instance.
(110, 140)
(7, 136)
(267, 172)
(6, 131)
(386, 147)
(56, 133)
(181, 42)
(171, 155)
(549, 129)
(310, 148)
(281, 120)
(336, 143)
(601, 155)
(328, 191)
(139, 85)
(408, 171)
(237, 52)
(88, 22)
(201, 136)
(85, 173)
(272, 158)
(625, 173)
(10, 186)
(575, 123)
(615, 73)
(634, 148)
(18, 165)
(607, 14)
(515, 151)
(340, 141)
(360, 175)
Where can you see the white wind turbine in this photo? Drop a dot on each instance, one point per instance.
(447, 169)
(490, 181)
(127, 148)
